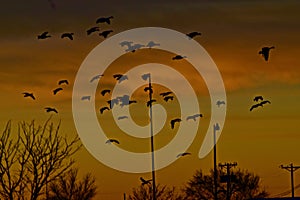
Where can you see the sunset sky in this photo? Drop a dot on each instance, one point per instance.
(233, 32)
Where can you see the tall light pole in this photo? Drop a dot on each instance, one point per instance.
(216, 128)
(145, 77)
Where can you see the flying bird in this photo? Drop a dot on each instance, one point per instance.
(109, 141)
(257, 98)
(265, 52)
(255, 106)
(67, 35)
(96, 77)
(27, 94)
(63, 82)
(193, 117)
(92, 30)
(122, 117)
(219, 103)
(86, 98)
(173, 121)
(120, 77)
(264, 102)
(113, 102)
(193, 34)
(150, 102)
(55, 91)
(144, 182)
(104, 20)
(125, 43)
(103, 109)
(146, 89)
(105, 33)
(178, 57)
(132, 101)
(49, 109)
(146, 76)
(183, 154)
(165, 93)
(103, 92)
(44, 35)
(152, 44)
(134, 47)
(167, 98)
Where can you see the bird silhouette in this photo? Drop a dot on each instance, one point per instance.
(96, 77)
(27, 94)
(120, 77)
(173, 121)
(152, 44)
(113, 102)
(146, 76)
(92, 30)
(125, 43)
(104, 20)
(264, 102)
(122, 117)
(145, 182)
(183, 154)
(150, 102)
(103, 109)
(103, 92)
(105, 33)
(86, 98)
(49, 109)
(63, 82)
(219, 103)
(133, 48)
(55, 91)
(146, 89)
(257, 98)
(67, 35)
(255, 106)
(163, 94)
(109, 141)
(193, 34)
(44, 35)
(193, 117)
(178, 57)
(167, 98)
(265, 52)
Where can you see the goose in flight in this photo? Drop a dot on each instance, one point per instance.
(109, 141)
(103, 92)
(193, 117)
(219, 103)
(152, 44)
(178, 57)
(27, 94)
(183, 154)
(125, 43)
(193, 34)
(103, 109)
(145, 182)
(92, 30)
(167, 98)
(265, 52)
(150, 102)
(55, 91)
(44, 35)
(120, 77)
(133, 48)
(122, 117)
(86, 98)
(105, 33)
(49, 109)
(95, 77)
(104, 20)
(67, 35)
(173, 121)
(163, 94)
(262, 103)
(63, 82)
(257, 98)
(113, 102)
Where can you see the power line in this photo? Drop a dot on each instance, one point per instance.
(291, 168)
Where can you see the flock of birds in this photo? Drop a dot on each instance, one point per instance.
(125, 100)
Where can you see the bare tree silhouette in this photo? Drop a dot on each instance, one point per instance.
(68, 187)
(33, 158)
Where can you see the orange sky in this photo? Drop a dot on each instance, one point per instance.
(232, 33)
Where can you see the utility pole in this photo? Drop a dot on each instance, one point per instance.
(291, 168)
(216, 128)
(124, 195)
(228, 166)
